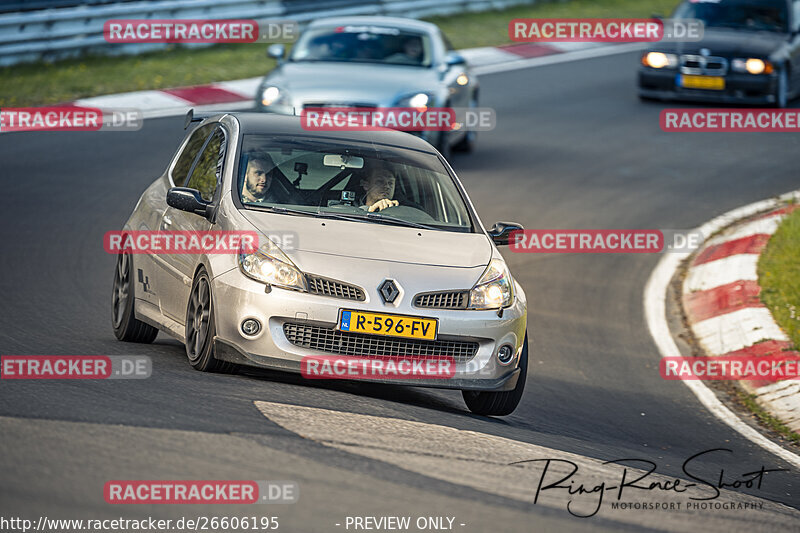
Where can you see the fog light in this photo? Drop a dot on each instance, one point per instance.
(505, 354)
(251, 327)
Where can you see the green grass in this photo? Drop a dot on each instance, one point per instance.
(779, 276)
(50, 83)
(490, 28)
(749, 401)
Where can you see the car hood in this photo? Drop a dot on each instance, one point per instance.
(339, 82)
(373, 241)
(729, 43)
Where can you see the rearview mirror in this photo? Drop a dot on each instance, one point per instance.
(343, 161)
(276, 51)
(501, 232)
(188, 200)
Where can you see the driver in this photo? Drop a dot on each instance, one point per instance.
(258, 179)
(379, 188)
(411, 53)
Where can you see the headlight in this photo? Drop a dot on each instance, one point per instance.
(660, 60)
(495, 288)
(418, 100)
(752, 65)
(270, 265)
(271, 95)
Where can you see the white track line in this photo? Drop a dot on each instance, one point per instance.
(506, 66)
(655, 309)
(565, 57)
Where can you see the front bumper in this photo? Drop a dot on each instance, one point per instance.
(739, 88)
(237, 297)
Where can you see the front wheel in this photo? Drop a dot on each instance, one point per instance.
(469, 141)
(201, 328)
(782, 91)
(500, 403)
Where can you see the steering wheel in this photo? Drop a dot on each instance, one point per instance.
(398, 209)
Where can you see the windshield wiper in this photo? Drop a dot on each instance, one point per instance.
(283, 210)
(375, 218)
(344, 216)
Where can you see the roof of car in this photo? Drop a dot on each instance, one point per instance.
(274, 124)
(394, 22)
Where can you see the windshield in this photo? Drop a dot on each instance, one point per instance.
(352, 181)
(755, 15)
(364, 44)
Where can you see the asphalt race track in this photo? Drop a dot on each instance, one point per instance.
(574, 148)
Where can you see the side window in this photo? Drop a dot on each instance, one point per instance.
(795, 16)
(184, 164)
(208, 169)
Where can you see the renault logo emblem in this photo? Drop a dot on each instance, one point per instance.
(389, 291)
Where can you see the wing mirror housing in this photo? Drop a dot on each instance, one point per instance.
(276, 51)
(454, 59)
(501, 232)
(189, 200)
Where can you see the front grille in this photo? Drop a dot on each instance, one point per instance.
(703, 65)
(443, 300)
(357, 105)
(329, 340)
(336, 289)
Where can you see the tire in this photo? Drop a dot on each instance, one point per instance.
(443, 144)
(201, 328)
(123, 316)
(470, 140)
(500, 403)
(782, 91)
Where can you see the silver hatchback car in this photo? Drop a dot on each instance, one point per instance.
(372, 62)
(366, 246)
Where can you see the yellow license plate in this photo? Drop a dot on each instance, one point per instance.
(712, 83)
(411, 327)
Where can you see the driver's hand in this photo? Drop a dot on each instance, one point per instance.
(380, 205)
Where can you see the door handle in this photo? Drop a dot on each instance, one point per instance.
(166, 222)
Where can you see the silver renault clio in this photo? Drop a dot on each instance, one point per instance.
(367, 246)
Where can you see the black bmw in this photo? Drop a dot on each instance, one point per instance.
(749, 54)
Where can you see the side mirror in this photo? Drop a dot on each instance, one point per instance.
(276, 51)
(454, 58)
(501, 232)
(188, 200)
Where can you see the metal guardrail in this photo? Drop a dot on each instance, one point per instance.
(53, 34)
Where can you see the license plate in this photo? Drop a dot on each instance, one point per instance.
(411, 327)
(711, 83)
